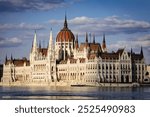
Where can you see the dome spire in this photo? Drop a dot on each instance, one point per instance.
(65, 22)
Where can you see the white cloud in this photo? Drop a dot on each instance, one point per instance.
(82, 20)
(23, 26)
(143, 41)
(24, 5)
(135, 44)
(109, 25)
(11, 42)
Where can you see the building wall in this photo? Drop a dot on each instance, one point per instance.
(148, 70)
(1, 72)
(90, 72)
(14, 73)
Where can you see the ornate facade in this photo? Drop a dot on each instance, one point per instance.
(68, 62)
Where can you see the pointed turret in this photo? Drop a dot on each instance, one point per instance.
(141, 52)
(86, 38)
(6, 58)
(39, 44)
(76, 42)
(90, 38)
(104, 44)
(93, 38)
(11, 57)
(131, 51)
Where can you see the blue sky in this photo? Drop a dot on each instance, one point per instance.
(126, 23)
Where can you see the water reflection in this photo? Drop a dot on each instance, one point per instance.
(74, 93)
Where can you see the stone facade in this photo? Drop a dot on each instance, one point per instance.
(1, 72)
(68, 62)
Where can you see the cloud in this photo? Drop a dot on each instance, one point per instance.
(23, 26)
(11, 42)
(108, 25)
(135, 44)
(143, 41)
(24, 5)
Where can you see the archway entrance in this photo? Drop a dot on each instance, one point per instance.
(127, 79)
(122, 78)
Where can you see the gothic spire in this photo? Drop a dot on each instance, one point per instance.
(131, 51)
(93, 38)
(86, 38)
(11, 57)
(6, 58)
(50, 40)
(104, 38)
(76, 42)
(141, 51)
(34, 42)
(39, 44)
(104, 44)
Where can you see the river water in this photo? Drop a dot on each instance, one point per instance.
(100, 93)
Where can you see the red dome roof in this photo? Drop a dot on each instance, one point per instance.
(65, 34)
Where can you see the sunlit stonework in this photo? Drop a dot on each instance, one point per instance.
(69, 63)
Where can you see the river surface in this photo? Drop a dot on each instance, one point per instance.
(96, 93)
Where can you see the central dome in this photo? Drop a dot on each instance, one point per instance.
(65, 35)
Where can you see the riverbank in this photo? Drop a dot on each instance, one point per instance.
(55, 84)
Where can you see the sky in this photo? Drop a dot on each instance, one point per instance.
(125, 23)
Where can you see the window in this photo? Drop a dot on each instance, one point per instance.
(110, 66)
(99, 66)
(106, 66)
(103, 66)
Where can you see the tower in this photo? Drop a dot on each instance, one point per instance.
(50, 46)
(64, 42)
(51, 61)
(34, 51)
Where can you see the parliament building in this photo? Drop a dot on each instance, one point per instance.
(65, 61)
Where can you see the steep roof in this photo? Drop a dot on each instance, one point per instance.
(109, 55)
(92, 46)
(18, 62)
(43, 51)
